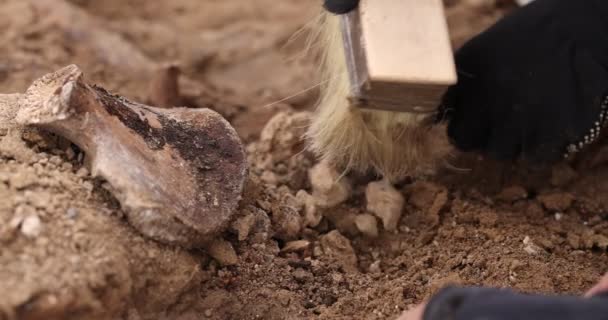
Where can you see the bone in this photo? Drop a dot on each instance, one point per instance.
(164, 87)
(178, 173)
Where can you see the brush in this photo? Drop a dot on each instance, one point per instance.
(384, 67)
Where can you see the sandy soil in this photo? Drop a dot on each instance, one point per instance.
(66, 251)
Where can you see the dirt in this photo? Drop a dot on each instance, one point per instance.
(67, 251)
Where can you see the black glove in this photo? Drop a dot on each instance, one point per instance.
(340, 6)
(494, 304)
(534, 85)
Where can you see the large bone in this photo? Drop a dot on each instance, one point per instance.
(178, 173)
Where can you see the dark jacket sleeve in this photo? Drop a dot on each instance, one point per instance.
(455, 303)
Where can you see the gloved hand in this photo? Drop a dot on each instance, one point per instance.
(499, 304)
(534, 85)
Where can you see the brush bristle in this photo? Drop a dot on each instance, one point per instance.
(393, 145)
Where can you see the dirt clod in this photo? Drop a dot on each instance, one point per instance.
(558, 202)
(338, 249)
(512, 194)
(31, 226)
(386, 202)
(223, 252)
(328, 187)
(367, 225)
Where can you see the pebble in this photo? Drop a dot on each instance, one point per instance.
(72, 213)
(367, 225)
(287, 222)
(82, 172)
(312, 216)
(512, 194)
(557, 201)
(531, 248)
(31, 226)
(296, 246)
(223, 252)
(243, 226)
(329, 188)
(338, 248)
(302, 276)
(386, 202)
(375, 267)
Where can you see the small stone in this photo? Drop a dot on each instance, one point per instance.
(223, 251)
(574, 240)
(31, 226)
(55, 160)
(557, 201)
(375, 267)
(367, 225)
(531, 248)
(302, 276)
(25, 210)
(328, 187)
(262, 228)
(243, 226)
(386, 202)
(66, 166)
(512, 194)
(69, 153)
(82, 172)
(422, 194)
(71, 213)
(338, 248)
(208, 313)
(312, 216)
(601, 241)
(287, 222)
(343, 219)
(559, 216)
(296, 246)
(269, 177)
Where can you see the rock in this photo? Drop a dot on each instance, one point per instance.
(296, 246)
(367, 225)
(223, 251)
(287, 222)
(531, 248)
(386, 202)
(312, 216)
(262, 227)
(328, 188)
(557, 201)
(282, 135)
(601, 241)
(338, 249)
(438, 204)
(344, 220)
(512, 194)
(422, 194)
(375, 267)
(302, 276)
(31, 226)
(243, 226)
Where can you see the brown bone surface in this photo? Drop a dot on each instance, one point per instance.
(178, 173)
